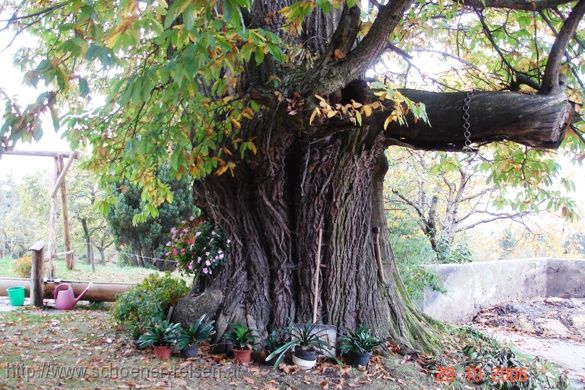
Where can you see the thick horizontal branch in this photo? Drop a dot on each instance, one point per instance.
(534, 120)
(526, 5)
(538, 121)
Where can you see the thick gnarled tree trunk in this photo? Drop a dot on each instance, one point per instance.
(329, 175)
(273, 212)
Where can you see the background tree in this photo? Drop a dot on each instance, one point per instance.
(24, 211)
(90, 228)
(142, 244)
(265, 103)
(450, 194)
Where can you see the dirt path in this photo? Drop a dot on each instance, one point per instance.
(550, 328)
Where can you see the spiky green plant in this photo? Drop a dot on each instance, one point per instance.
(160, 333)
(197, 332)
(306, 336)
(359, 341)
(240, 336)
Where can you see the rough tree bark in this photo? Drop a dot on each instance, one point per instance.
(330, 176)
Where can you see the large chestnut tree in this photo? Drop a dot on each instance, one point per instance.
(282, 111)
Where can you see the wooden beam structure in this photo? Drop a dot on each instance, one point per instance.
(51, 246)
(61, 169)
(61, 184)
(35, 153)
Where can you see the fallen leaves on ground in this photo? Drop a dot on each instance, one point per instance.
(45, 342)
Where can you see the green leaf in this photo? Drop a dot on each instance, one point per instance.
(83, 87)
(54, 117)
(175, 10)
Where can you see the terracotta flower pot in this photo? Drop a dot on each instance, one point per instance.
(243, 355)
(163, 352)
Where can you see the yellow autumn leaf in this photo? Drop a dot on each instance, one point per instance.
(221, 170)
(316, 113)
(331, 113)
(248, 113)
(236, 124)
(391, 118)
(367, 110)
(358, 117)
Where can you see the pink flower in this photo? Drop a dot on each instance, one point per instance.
(205, 270)
(175, 251)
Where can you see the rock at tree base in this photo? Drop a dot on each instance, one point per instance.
(190, 308)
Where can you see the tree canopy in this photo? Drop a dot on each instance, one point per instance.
(148, 83)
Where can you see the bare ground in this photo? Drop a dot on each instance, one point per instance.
(551, 328)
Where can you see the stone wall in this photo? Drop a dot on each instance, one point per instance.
(473, 286)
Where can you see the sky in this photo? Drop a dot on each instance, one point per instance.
(11, 80)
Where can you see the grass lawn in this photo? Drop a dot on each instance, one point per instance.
(83, 272)
(79, 350)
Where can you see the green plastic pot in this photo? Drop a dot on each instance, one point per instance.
(16, 295)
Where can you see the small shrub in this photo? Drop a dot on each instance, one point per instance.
(167, 288)
(22, 266)
(146, 304)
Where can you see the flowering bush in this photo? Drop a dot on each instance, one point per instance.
(197, 246)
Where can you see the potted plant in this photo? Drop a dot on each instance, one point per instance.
(161, 336)
(304, 340)
(359, 345)
(190, 337)
(242, 339)
(275, 340)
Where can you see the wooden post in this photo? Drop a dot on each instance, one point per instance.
(36, 274)
(51, 250)
(62, 170)
(376, 232)
(92, 259)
